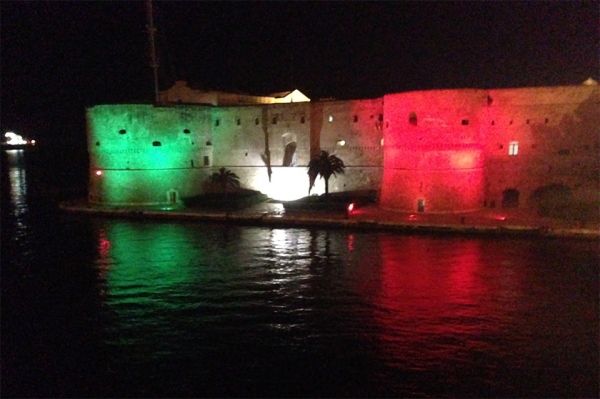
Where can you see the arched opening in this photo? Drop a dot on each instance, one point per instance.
(289, 154)
(551, 200)
(172, 197)
(510, 198)
(289, 157)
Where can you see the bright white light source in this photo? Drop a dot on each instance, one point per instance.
(14, 139)
(341, 143)
(330, 118)
(98, 173)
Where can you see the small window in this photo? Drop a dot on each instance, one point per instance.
(330, 118)
(534, 146)
(217, 122)
(500, 146)
(528, 121)
(206, 160)
(355, 118)
(493, 123)
(412, 119)
(546, 120)
(256, 121)
(513, 148)
(156, 143)
(186, 131)
(380, 118)
(208, 143)
(97, 143)
(122, 131)
(510, 123)
(302, 119)
(238, 121)
(564, 151)
(464, 122)
(275, 120)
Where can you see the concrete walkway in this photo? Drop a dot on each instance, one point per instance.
(499, 222)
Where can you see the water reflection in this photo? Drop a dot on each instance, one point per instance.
(17, 175)
(435, 303)
(401, 311)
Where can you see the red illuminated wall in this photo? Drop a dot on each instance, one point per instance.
(433, 151)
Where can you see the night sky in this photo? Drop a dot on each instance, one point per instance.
(60, 57)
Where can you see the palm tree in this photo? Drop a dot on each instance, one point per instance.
(325, 165)
(225, 177)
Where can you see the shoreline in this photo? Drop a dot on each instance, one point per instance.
(367, 218)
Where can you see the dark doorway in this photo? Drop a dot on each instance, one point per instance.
(289, 158)
(421, 205)
(510, 198)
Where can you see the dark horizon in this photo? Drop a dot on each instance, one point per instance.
(60, 57)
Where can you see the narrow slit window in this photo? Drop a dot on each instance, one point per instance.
(186, 131)
(302, 119)
(513, 148)
(464, 122)
(217, 122)
(412, 118)
(256, 121)
(156, 143)
(238, 121)
(206, 160)
(355, 118)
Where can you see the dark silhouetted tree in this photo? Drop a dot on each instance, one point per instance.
(324, 165)
(225, 177)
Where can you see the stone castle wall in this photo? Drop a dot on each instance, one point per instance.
(432, 151)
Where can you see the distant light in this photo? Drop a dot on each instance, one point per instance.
(32, 142)
(14, 139)
(98, 173)
(381, 143)
(330, 119)
(351, 207)
(499, 217)
(341, 143)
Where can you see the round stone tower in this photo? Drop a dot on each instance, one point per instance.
(433, 151)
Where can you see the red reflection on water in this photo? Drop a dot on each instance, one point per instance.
(432, 300)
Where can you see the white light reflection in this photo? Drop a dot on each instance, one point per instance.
(292, 250)
(18, 182)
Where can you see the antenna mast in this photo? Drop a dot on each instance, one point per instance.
(153, 64)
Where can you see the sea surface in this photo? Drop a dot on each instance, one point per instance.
(103, 307)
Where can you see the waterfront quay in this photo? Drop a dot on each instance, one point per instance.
(488, 222)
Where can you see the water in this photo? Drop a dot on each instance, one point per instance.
(100, 307)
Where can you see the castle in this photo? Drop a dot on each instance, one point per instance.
(423, 151)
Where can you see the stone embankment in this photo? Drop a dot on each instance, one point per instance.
(490, 222)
